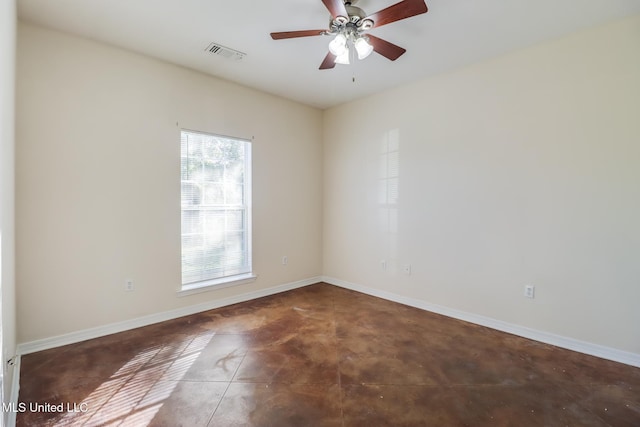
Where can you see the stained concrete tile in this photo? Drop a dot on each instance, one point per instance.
(279, 405)
(324, 356)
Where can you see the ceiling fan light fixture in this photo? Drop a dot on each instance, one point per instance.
(348, 25)
(363, 47)
(339, 45)
(343, 58)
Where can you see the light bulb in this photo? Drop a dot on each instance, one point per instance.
(363, 48)
(338, 45)
(343, 58)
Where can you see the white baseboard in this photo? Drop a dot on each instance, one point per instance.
(608, 353)
(100, 331)
(603, 352)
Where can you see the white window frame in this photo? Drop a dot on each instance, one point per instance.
(236, 278)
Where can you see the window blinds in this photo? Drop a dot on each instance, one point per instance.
(215, 202)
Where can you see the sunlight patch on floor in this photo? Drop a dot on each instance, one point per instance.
(136, 392)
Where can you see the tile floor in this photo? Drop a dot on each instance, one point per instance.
(323, 356)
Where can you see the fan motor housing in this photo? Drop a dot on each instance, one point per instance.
(355, 19)
(355, 13)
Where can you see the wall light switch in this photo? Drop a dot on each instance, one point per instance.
(529, 291)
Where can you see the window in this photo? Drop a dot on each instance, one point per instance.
(216, 210)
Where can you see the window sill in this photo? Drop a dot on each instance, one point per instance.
(210, 285)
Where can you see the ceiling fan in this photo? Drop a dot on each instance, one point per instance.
(349, 24)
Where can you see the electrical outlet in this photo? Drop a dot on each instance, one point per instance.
(529, 291)
(128, 285)
(383, 265)
(285, 260)
(407, 269)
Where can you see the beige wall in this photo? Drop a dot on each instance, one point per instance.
(98, 181)
(7, 201)
(520, 170)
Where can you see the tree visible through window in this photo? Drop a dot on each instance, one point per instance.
(216, 215)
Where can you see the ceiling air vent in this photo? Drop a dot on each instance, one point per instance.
(225, 52)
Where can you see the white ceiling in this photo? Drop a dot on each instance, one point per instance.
(453, 33)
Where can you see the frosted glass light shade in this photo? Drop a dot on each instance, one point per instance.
(338, 45)
(363, 48)
(344, 58)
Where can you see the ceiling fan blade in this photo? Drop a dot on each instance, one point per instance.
(294, 34)
(329, 61)
(385, 48)
(404, 9)
(336, 8)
